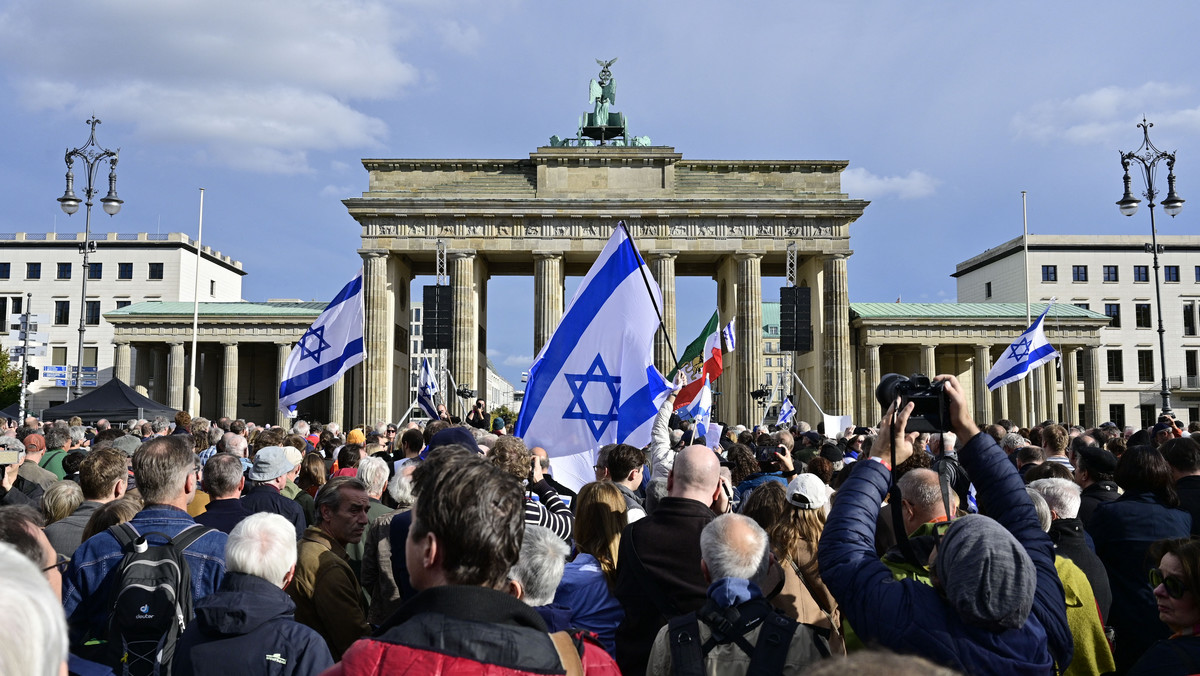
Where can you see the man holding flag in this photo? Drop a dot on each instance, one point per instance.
(327, 349)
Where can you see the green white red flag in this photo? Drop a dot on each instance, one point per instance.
(701, 358)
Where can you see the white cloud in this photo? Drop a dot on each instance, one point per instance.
(524, 361)
(1106, 116)
(461, 38)
(858, 182)
(339, 191)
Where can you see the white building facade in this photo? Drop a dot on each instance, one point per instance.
(1113, 275)
(42, 273)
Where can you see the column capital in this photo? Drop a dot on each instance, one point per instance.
(175, 343)
(229, 343)
(837, 255)
(121, 342)
(543, 255)
(461, 254)
(746, 256)
(663, 255)
(373, 253)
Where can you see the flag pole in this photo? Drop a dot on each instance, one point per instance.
(192, 405)
(662, 326)
(814, 401)
(1028, 315)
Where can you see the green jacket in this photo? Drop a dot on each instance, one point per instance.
(52, 462)
(922, 539)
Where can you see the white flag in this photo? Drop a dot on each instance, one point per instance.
(786, 411)
(427, 389)
(1028, 352)
(331, 345)
(594, 382)
(700, 411)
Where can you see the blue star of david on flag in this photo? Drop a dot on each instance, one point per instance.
(307, 350)
(1030, 350)
(1020, 349)
(578, 409)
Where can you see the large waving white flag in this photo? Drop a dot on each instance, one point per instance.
(427, 389)
(1029, 351)
(594, 382)
(786, 411)
(331, 345)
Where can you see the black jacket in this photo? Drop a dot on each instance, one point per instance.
(268, 499)
(248, 627)
(1093, 496)
(1188, 488)
(1071, 541)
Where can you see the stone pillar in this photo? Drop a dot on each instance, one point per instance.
(928, 360)
(378, 334)
(1091, 386)
(1050, 387)
(229, 381)
(548, 290)
(983, 402)
(1039, 397)
(870, 406)
(838, 388)
(121, 361)
(1021, 416)
(662, 266)
(175, 378)
(337, 396)
(748, 354)
(282, 350)
(400, 276)
(464, 332)
(1070, 386)
(726, 404)
(143, 361)
(1000, 397)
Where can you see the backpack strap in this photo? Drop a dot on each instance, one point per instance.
(125, 534)
(568, 653)
(771, 651)
(189, 535)
(683, 636)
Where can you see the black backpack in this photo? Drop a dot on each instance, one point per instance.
(153, 600)
(730, 625)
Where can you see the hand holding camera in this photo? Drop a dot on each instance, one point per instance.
(960, 415)
(892, 434)
(535, 474)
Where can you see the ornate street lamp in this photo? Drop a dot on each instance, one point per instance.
(91, 154)
(1148, 157)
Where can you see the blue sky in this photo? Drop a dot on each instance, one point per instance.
(945, 111)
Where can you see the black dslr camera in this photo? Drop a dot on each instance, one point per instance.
(931, 408)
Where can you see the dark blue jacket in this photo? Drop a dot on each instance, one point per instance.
(223, 514)
(910, 617)
(248, 627)
(268, 499)
(744, 489)
(1123, 531)
(1173, 657)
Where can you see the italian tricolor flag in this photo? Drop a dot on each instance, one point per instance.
(701, 358)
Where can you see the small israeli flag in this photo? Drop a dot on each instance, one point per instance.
(728, 332)
(1028, 352)
(327, 349)
(701, 411)
(427, 389)
(786, 412)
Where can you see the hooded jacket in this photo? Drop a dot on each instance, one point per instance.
(910, 617)
(248, 627)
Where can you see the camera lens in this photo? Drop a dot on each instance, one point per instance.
(889, 388)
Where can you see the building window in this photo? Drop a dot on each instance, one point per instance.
(212, 287)
(123, 303)
(1113, 310)
(1191, 369)
(1079, 273)
(89, 357)
(124, 270)
(33, 271)
(58, 356)
(416, 314)
(1146, 366)
(93, 313)
(1116, 415)
(62, 311)
(987, 289)
(95, 270)
(1110, 273)
(769, 380)
(5, 270)
(1116, 366)
(1148, 415)
(1141, 315)
(1084, 306)
(1049, 273)
(1198, 280)
(64, 271)
(1170, 273)
(16, 305)
(1189, 318)
(156, 271)
(1141, 273)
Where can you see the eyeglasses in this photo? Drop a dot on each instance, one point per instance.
(1174, 586)
(60, 564)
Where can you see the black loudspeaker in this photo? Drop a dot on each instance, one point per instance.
(436, 323)
(795, 319)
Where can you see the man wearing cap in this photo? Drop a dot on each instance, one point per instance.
(997, 605)
(267, 477)
(31, 470)
(293, 492)
(1094, 469)
(498, 427)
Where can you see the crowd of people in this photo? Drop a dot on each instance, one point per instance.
(214, 547)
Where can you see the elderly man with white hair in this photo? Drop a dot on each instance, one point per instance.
(535, 578)
(1066, 530)
(248, 626)
(736, 626)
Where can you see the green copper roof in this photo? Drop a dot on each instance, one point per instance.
(966, 310)
(242, 309)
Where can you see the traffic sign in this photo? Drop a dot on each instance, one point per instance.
(34, 318)
(33, 351)
(48, 371)
(39, 337)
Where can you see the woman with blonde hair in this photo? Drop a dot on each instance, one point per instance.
(61, 500)
(794, 518)
(588, 581)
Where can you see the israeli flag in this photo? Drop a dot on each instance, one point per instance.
(1028, 352)
(331, 345)
(786, 412)
(729, 332)
(427, 389)
(700, 411)
(594, 382)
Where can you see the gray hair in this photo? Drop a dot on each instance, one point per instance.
(374, 473)
(222, 474)
(655, 491)
(262, 545)
(330, 495)
(333, 428)
(1012, 441)
(12, 444)
(56, 437)
(301, 428)
(78, 434)
(131, 423)
(921, 488)
(30, 610)
(540, 568)
(159, 424)
(728, 554)
(1040, 506)
(161, 467)
(233, 443)
(945, 440)
(400, 488)
(214, 435)
(803, 427)
(1062, 496)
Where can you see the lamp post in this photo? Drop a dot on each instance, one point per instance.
(1148, 157)
(91, 154)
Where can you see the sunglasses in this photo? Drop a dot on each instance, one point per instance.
(1174, 586)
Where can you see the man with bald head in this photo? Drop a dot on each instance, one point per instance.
(543, 457)
(658, 565)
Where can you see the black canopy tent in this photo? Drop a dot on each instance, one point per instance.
(113, 400)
